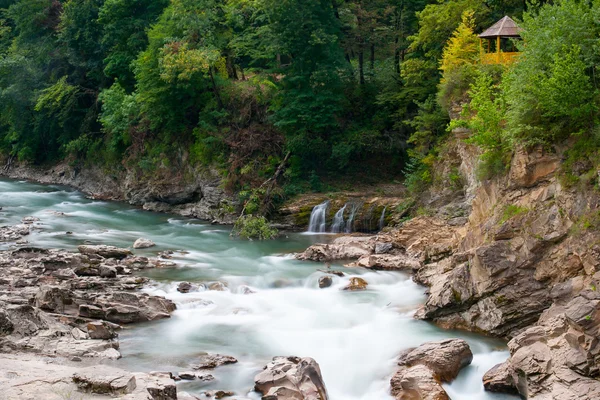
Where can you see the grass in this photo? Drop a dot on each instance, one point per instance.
(512, 210)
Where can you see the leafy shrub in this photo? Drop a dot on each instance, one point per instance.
(251, 227)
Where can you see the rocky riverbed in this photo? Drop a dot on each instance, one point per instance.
(88, 310)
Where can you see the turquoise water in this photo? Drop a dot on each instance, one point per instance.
(355, 337)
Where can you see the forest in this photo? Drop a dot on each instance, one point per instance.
(330, 88)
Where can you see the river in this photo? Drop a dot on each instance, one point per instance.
(354, 336)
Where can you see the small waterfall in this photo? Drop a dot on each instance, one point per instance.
(318, 218)
(338, 220)
(350, 221)
(382, 219)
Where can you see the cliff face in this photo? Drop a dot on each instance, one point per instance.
(525, 266)
(189, 192)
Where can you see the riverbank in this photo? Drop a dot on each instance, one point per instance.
(189, 192)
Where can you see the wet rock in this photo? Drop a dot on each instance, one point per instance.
(29, 220)
(184, 287)
(219, 394)
(424, 369)
(356, 284)
(142, 243)
(325, 281)
(205, 377)
(104, 251)
(342, 248)
(101, 330)
(217, 286)
(187, 375)
(105, 380)
(245, 290)
(291, 378)
(212, 361)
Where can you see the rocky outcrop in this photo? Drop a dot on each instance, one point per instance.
(556, 359)
(291, 378)
(188, 191)
(59, 303)
(424, 369)
(342, 248)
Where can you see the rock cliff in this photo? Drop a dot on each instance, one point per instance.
(189, 192)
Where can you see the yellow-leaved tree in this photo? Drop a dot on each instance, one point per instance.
(463, 46)
(459, 63)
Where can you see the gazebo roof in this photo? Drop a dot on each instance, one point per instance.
(506, 27)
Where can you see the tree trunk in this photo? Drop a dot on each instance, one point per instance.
(372, 57)
(361, 68)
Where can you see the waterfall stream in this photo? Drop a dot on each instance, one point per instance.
(318, 218)
(338, 221)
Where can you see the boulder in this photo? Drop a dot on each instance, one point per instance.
(212, 361)
(555, 359)
(499, 379)
(424, 369)
(356, 284)
(161, 386)
(101, 330)
(187, 375)
(325, 281)
(53, 298)
(417, 383)
(291, 378)
(142, 243)
(444, 358)
(342, 248)
(105, 380)
(104, 251)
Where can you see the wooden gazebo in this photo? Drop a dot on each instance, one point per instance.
(495, 42)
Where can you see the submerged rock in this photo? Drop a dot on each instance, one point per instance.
(291, 378)
(142, 243)
(219, 394)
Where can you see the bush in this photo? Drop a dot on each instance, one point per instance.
(251, 227)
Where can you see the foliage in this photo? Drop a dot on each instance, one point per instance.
(549, 92)
(484, 116)
(512, 210)
(253, 227)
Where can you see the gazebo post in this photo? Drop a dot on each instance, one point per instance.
(498, 49)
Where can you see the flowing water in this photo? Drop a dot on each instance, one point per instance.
(355, 337)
